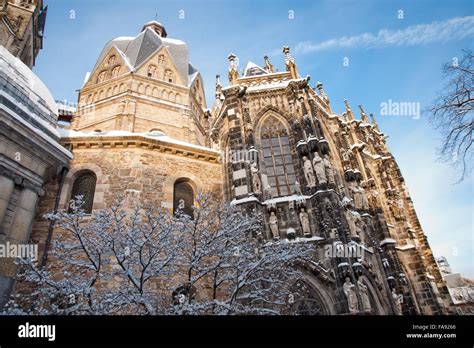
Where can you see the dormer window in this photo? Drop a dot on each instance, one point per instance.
(169, 76)
(152, 71)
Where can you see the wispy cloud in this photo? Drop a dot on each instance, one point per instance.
(457, 28)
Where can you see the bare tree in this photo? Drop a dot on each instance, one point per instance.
(147, 261)
(229, 269)
(453, 113)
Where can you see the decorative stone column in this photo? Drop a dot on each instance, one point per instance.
(24, 214)
(6, 189)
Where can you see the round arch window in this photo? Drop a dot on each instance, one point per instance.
(183, 197)
(84, 186)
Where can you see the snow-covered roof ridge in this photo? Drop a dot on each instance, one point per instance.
(159, 136)
(36, 90)
(253, 69)
(136, 50)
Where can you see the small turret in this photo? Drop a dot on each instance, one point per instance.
(363, 115)
(290, 63)
(268, 66)
(233, 70)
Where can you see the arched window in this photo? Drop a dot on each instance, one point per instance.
(116, 71)
(101, 77)
(111, 60)
(161, 59)
(168, 75)
(152, 71)
(275, 147)
(183, 197)
(84, 186)
(306, 301)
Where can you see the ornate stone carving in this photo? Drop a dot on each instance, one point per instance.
(256, 183)
(351, 295)
(308, 172)
(304, 219)
(397, 301)
(364, 296)
(273, 222)
(298, 188)
(329, 170)
(319, 168)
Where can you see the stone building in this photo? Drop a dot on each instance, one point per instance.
(30, 155)
(270, 142)
(21, 28)
(327, 179)
(140, 129)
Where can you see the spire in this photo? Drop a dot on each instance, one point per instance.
(320, 88)
(348, 110)
(268, 66)
(233, 70)
(218, 86)
(290, 63)
(376, 126)
(363, 115)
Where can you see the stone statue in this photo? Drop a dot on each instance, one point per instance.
(395, 208)
(356, 195)
(374, 197)
(364, 296)
(363, 197)
(397, 300)
(304, 219)
(308, 172)
(319, 168)
(351, 217)
(350, 292)
(329, 170)
(256, 183)
(274, 226)
(359, 224)
(298, 188)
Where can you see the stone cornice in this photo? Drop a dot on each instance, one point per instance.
(138, 141)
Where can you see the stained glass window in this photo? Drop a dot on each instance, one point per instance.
(275, 146)
(84, 186)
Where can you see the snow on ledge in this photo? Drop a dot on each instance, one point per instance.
(406, 247)
(296, 240)
(388, 241)
(244, 200)
(68, 133)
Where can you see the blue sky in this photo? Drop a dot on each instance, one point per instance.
(388, 59)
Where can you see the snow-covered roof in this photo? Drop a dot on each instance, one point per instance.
(155, 135)
(25, 98)
(21, 75)
(253, 69)
(136, 50)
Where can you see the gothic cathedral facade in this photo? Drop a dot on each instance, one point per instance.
(269, 143)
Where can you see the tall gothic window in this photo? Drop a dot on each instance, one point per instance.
(84, 186)
(275, 146)
(306, 301)
(183, 197)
